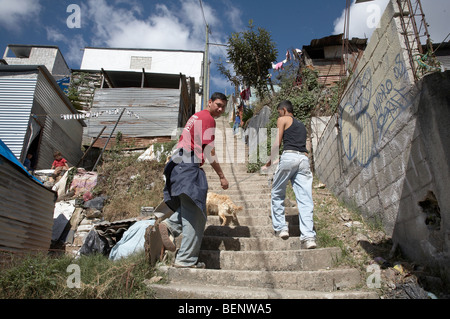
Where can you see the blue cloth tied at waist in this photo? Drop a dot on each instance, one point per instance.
(185, 177)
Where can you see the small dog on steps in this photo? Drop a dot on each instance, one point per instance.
(223, 206)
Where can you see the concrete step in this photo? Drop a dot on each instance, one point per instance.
(260, 203)
(244, 196)
(255, 212)
(228, 170)
(247, 231)
(249, 243)
(214, 186)
(238, 176)
(329, 280)
(266, 211)
(281, 260)
(243, 183)
(203, 291)
(246, 200)
(249, 220)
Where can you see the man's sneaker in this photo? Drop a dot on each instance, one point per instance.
(309, 243)
(283, 234)
(166, 237)
(198, 265)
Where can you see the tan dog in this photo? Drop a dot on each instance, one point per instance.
(223, 206)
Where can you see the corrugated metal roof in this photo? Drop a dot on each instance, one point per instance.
(26, 214)
(158, 111)
(16, 101)
(65, 136)
(36, 93)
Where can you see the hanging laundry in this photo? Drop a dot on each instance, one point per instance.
(278, 66)
(246, 94)
(288, 56)
(297, 54)
(85, 115)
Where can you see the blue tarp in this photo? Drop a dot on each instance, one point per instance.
(64, 84)
(132, 241)
(6, 153)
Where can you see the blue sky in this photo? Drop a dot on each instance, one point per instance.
(179, 24)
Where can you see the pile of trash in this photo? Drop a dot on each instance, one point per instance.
(404, 280)
(80, 228)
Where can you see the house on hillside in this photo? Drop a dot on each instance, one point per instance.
(32, 105)
(158, 88)
(155, 61)
(50, 56)
(332, 57)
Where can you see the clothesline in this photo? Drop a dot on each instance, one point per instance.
(86, 114)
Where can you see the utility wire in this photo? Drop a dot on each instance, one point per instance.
(203, 13)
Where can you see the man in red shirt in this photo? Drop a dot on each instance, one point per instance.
(186, 185)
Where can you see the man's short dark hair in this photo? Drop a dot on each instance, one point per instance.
(219, 96)
(286, 104)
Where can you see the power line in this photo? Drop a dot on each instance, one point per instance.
(203, 13)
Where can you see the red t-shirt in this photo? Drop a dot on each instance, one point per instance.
(198, 133)
(59, 163)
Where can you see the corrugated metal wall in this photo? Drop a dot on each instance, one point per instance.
(16, 101)
(65, 136)
(26, 213)
(158, 111)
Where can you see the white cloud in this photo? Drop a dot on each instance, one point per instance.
(55, 35)
(74, 44)
(15, 12)
(364, 18)
(234, 15)
(192, 15)
(177, 27)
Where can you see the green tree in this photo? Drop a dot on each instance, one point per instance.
(251, 52)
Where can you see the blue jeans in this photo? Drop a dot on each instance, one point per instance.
(236, 128)
(190, 221)
(295, 168)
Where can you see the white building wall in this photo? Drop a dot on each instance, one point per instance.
(51, 57)
(188, 63)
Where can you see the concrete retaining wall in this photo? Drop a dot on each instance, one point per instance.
(387, 151)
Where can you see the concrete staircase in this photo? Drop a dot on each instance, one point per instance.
(248, 261)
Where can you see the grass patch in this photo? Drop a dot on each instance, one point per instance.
(129, 185)
(331, 230)
(45, 277)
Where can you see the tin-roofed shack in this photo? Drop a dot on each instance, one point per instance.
(31, 109)
(332, 57)
(156, 105)
(26, 216)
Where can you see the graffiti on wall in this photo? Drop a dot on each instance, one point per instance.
(370, 111)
